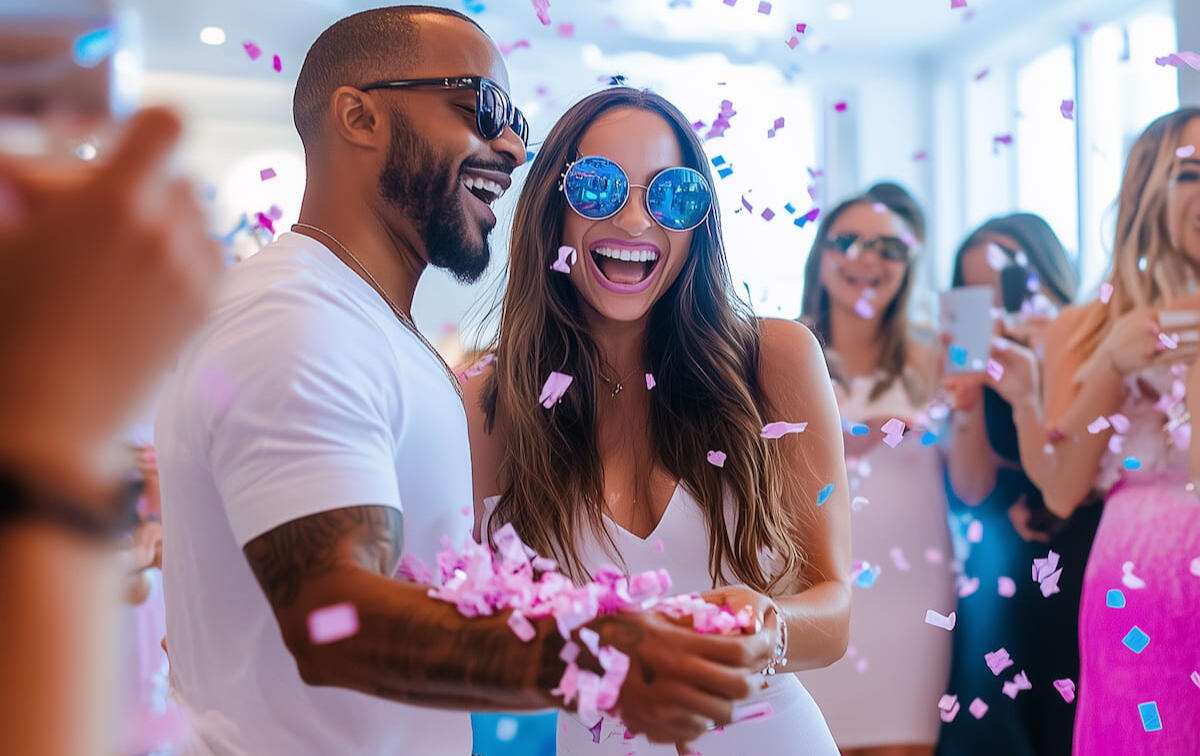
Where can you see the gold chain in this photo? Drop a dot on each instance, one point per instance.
(400, 315)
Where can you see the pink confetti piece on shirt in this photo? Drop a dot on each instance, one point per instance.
(716, 458)
(556, 385)
(1067, 109)
(277, 64)
(1196, 678)
(944, 621)
(1018, 684)
(1186, 151)
(266, 174)
(1180, 59)
(253, 50)
(748, 711)
(998, 661)
(1106, 292)
(978, 708)
(543, 11)
(995, 370)
(332, 623)
(1006, 586)
(567, 256)
(840, 106)
(658, 546)
(948, 707)
(781, 429)
(975, 531)
(1066, 689)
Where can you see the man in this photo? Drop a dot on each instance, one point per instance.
(311, 437)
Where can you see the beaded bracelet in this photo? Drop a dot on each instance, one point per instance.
(779, 659)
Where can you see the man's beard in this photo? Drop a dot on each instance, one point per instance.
(427, 192)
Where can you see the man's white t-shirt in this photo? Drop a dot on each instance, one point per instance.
(303, 393)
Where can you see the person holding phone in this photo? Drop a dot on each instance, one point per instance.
(1020, 258)
(1121, 389)
(858, 281)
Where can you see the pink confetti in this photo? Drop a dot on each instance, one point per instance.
(567, 256)
(801, 28)
(934, 556)
(216, 388)
(1018, 684)
(811, 215)
(1067, 108)
(948, 707)
(266, 174)
(998, 661)
(1000, 139)
(556, 385)
(274, 212)
(1196, 678)
(522, 627)
(958, 4)
(1166, 341)
(1120, 423)
(650, 384)
(975, 531)
(658, 546)
(1006, 586)
(265, 222)
(768, 214)
(1066, 689)
(253, 50)
(898, 559)
(893, 427)
(543, 11)
(506, 48)
(982, 74)
(716, 458)
(566, 30)
(1047, 572)
(277, 64)
(477, 368)
(995, 370)
(793, 42)
(764, 8)
(1180, 59)
(1106, 292)
(840, 106)
(1099, 425)
(746, 204)
(892, 440)
(1186, 151)
(781, 429)
(967, 586)
(864, 309)
(921, 155)
(946, 622)
(756, 710)
(332, 623)
(595, 730)
(978, 708)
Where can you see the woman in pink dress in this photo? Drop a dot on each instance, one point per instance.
(1120, 391)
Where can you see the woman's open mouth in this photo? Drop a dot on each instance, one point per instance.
(623, 267)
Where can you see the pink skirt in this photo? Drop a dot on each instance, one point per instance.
(1135, 702)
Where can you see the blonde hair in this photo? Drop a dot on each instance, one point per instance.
(1147, 268)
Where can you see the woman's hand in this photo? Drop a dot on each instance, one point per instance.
(738, 597)
(1133, 344)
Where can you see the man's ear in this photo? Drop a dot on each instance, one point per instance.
(357, 118)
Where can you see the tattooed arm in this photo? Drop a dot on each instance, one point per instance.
(418, 650)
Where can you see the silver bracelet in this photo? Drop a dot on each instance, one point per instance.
(779, 658)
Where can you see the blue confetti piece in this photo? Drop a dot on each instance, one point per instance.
(824, 495)
(473, 6)
(866, 578)
(91, 48)
(725, 172)
(1151, 721)
(790, 208)
(859, 430)
(529, 155)
(1132, 463)
(718, 161)
(929, 438)
(1115, 599)
(1136, 640)
(958, 355)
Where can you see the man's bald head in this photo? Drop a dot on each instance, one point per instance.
(374, 45)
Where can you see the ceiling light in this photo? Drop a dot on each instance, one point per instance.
(841, 12)
(212, 35)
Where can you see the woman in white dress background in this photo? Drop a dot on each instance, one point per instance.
(654, 457)
(881, 699)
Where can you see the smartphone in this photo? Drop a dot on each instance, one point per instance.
(967, 319)
(61, 87)
(1014, 287)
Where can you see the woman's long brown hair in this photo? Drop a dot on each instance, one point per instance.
(1147, 268)
(893, 326)
(702, 347)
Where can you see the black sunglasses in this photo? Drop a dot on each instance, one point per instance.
(889, 247)
(494, 109)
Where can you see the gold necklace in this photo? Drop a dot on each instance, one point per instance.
(617, 386)
(400, 314)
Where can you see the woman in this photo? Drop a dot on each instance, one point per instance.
(1021, 258)
(655, 457)
(858, 281)
(1129, 356)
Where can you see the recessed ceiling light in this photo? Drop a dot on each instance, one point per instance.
(841, 12)
(212, 35)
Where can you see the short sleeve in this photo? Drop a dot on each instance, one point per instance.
(308, 425)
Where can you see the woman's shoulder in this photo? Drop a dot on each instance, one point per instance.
(789, 352)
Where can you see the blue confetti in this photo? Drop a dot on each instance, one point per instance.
(1115, 599)
(790, 208)
(1132, 463)
(929, 438)
(958, 355)
(859, 430)
(474, 6)
(866, 578)
(1151, 721)
(1136, 640)
(91, 48)
(725, 172)
(824, 495)
(529, 155)
(718, 161)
